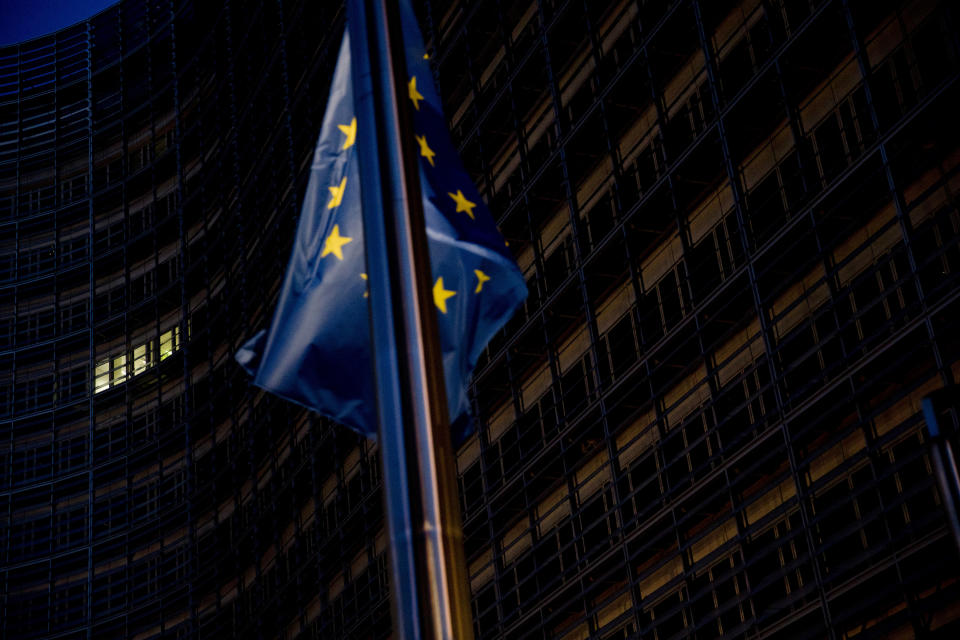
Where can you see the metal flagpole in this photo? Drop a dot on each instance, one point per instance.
(944, 460)
(429, 586)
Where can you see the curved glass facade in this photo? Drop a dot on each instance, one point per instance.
(150, 165)
(739, 225)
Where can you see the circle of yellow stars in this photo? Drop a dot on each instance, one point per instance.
(334, 242)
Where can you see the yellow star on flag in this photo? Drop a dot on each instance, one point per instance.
(349, 130)
(415, 95)
(425, 149)
(336, 194)
(334, 243)
(462, 203)
(481, 278)
(366, 294)
(440, 295)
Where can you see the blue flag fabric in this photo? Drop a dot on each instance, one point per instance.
(317, 349)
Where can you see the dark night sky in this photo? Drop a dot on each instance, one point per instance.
(25, 19)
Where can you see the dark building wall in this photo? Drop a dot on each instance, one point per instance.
(737, 223)
(739, 228)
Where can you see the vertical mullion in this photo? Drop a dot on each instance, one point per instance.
(91, 356)
(562, 138)
(186, 416)
(766, 329)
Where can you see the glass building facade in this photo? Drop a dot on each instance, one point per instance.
(739, 225)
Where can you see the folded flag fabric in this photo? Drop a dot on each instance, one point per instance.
(317, 350)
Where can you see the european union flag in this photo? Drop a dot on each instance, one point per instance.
(317, 349)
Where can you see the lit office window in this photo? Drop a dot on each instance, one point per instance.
(113, 371)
